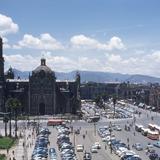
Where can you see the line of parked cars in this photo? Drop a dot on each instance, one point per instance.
(67, 151)
(40, 151)
(116, 146)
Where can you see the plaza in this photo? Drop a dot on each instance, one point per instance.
(25, 145)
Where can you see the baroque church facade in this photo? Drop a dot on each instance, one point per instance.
(41, 93)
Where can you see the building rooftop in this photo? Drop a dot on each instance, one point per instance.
(17, 80)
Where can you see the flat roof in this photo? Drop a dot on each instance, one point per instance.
(17, 80)
(58, 80)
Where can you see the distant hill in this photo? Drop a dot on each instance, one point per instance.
(101, 77)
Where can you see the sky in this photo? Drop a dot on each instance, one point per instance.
(120, 36)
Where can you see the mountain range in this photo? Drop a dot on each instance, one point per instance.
(94, 76)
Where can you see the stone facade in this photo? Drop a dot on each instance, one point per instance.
(154, 97)
(41, 93)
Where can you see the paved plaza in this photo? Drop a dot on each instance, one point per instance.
(24, 146)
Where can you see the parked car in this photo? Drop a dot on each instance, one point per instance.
(149, 146)
(97, 145)
(138, 146)
(94, 149)
(80, 148)
(117, 128)
(157, 144)
(87, 156)
(153, 156)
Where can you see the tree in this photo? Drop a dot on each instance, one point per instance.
(13, 104)
(99, 101)
(5, 120)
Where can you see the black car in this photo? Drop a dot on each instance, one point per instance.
(87, 156)
(153, 156)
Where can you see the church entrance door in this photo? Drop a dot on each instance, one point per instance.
(42, 109)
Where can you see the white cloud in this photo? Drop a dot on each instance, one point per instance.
(29, 63)
(6, 46)
(115, 42)
(5, 43)
(44, 42)
(7, 25)
(146, 64)
(16, 47)
(87, 42)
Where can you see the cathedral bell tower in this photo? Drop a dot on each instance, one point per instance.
(1, 76)
(1, 61)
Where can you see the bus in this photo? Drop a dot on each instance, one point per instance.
(144, 131)
(95, 118)
(138, 127)
(151, 126)
(157, 128)
(154, 135)
(54, 122)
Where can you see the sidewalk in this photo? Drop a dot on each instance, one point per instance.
(23, 147)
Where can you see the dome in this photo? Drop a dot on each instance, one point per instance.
(43, 67)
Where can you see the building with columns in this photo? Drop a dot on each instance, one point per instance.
(41, 93)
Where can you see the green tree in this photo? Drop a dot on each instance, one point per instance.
(5, 120)
(13, 104)
(99, 101)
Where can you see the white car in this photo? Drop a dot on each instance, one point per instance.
(149, 146)
(121, 150)
(118, 128)
(94, 149)
(128, 152)
(80, 148)
(97, 144)
(106, 138)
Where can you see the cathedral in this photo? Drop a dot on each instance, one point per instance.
(41, 93)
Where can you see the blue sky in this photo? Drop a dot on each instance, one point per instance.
(99, 35)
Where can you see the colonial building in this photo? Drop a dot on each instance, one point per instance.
(41, 93)
(154, 97)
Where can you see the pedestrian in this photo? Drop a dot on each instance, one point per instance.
(23, 144)
(128, 147)
(111, 148)
(125, 127)
(134, 133)
(86, 131)
(7, 150)
(105, 146)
